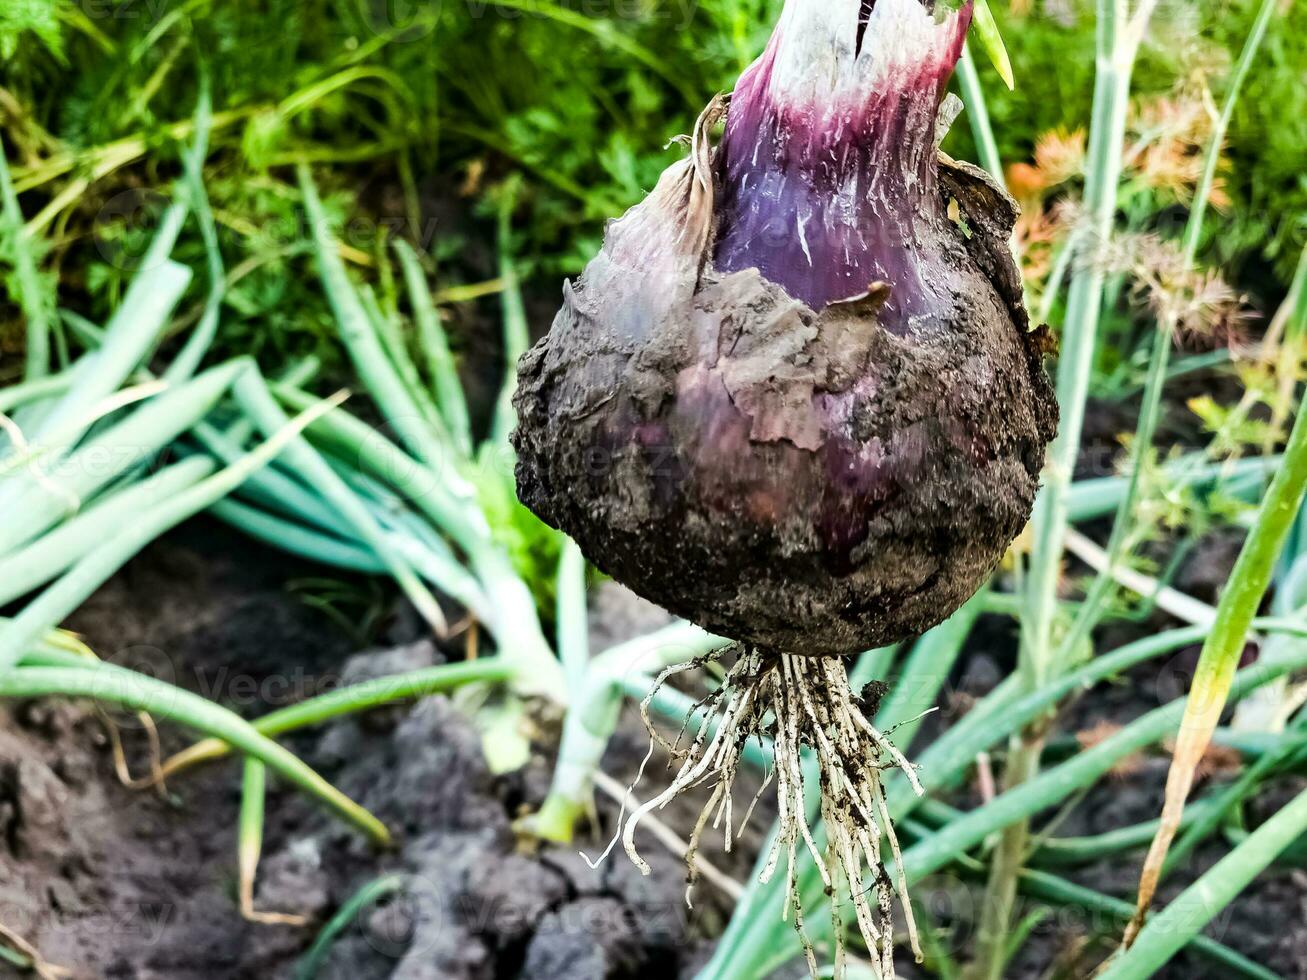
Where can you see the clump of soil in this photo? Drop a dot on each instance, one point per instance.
(114, 883)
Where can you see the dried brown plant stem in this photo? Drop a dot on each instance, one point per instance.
(38, 964)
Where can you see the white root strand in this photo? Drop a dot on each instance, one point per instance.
(820, 738)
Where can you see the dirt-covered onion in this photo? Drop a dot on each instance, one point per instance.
(795, 398)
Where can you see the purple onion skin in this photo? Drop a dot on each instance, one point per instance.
(815, 442)
(782, 165)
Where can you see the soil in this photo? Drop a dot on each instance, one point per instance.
(116, 883)
(110, 882)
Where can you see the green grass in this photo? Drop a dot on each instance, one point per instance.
(407, 109)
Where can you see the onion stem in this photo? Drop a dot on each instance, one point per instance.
(32, 292)
(973, 95)
(142, 693)
(1117, 47)
(351, 700)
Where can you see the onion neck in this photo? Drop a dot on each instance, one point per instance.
(828, 166)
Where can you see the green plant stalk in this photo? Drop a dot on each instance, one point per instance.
(942, 766)
(1116, 55)
(1246, 478)
(1160, 356)
(1073, 851)
(1288, 753)
(872, 665)
(1281, 744)
(432, 562)
(133, 329)
(1251, 745)
(136, 691)
(1024, 929)
(449, 502)
(391, 336)
(939, 961)
(372, 892)
(1294, 310)
(1202, 901)
(916, 687)
(1127, 388)
(1239, 603)
(273, 487)
(986, 31)
(516, 332)
(297, 539)
(572, 617)
(1009, 604)
(982, 131)
(77, 584)
(593, 716)
(253, 395)
(435, 347)
(1054, 785)
(1051, 888)
(515, 623)
(379, 375)
(932, 814)
(30, 289)
(292, 517)
(1117, 47)
(249, 833)
(1006, 862)
(37, 390)
(353, 700)
(444, 496)
(188, 359)
(519, 633)
(15, 959)
(590, 723)
(26, 457)
(1004, 710)
(45, 558)
(1064, 252)
(117, 450)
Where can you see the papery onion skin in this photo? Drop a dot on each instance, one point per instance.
(730, 428)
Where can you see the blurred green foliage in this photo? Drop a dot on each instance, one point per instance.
(1052, 49)
(420, 107)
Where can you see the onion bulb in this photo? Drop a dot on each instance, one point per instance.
(796, 399)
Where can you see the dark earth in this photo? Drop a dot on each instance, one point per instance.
(110, 882)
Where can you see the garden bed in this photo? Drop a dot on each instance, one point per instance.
(114, 882)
